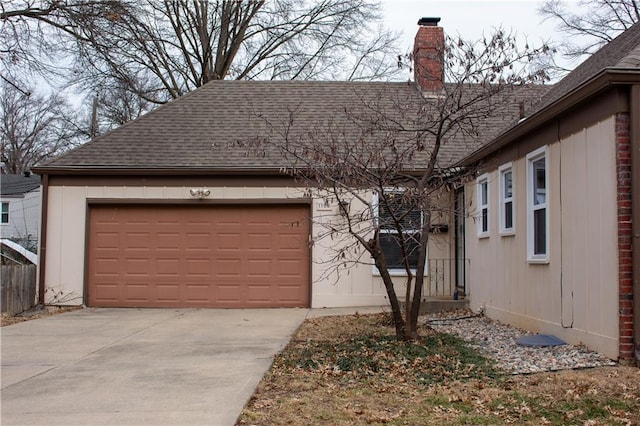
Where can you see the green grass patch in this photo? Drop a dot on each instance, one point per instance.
(433, 359)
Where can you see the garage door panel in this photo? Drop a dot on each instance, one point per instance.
(289, 293)
(260, 293)
(168, 292)
(186, 256)
(229, 293)
(259, 268)
(107, 293)
(169, 267)
(106, 267)
(168, 240)
(107, 240)
(138, 292)
(228, 241)
(228, 268)
(259, 241)
(198, 241)
(198, 293)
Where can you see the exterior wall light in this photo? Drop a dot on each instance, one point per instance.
(200, 192)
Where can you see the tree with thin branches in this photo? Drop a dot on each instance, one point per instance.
(388, 160)
(34, 128)
(590, 25)
(158, 50)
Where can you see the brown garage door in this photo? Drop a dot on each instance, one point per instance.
(199, 256)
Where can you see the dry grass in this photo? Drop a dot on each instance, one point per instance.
(349, 370)
(6, 319)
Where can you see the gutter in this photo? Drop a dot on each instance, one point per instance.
(608, 77)
(158, 171)
(43, 237)
(121, 171)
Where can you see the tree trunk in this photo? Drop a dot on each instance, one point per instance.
(396, 311)
(412, 319)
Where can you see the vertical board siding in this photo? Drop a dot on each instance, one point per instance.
(18, 289)
(574, 295)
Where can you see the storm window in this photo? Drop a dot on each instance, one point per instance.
(483, 205)
(537, 206)
(506, 199)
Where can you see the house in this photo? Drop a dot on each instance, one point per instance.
(168, 211)
(557, 250)
(20, 214)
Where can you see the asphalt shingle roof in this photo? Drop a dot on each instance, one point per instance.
(18, 184)
(200, 129)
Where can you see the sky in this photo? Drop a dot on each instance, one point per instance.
(470, 18)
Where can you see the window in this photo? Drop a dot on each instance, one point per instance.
(537, 206)
(483, 205)
(4, 215)
(411, 223)
(506, 199)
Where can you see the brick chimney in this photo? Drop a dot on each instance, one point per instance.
(428, 55)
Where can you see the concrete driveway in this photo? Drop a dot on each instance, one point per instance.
(139, 366)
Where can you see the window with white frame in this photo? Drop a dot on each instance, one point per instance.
(506, 199)
(537, 206)
(4, 214)
(410, 218)
(483, 205)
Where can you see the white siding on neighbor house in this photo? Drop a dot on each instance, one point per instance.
(66, 239)
(24, 216)
(575, 294)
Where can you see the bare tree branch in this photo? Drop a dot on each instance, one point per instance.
(596, 23)
(162, 49)
(34, 128)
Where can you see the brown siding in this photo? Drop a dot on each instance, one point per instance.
(566, 124)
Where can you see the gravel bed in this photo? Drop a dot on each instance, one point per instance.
(498, 341)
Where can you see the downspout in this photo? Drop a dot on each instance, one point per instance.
(635, 213)
(42, 256)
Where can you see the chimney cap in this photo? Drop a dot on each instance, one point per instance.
(428, 22)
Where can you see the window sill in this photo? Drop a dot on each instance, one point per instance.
(395, 272)
(508, 233)
(538, 261)
(483, 235)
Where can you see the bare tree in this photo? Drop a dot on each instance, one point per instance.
(388, 160)
(159, 50)
(34, 128)
(596, 23)
(36, 35)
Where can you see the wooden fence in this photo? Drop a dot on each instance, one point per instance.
(18, 288)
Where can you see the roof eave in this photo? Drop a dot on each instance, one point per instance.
(184, 171)
(606, 78)
(155, 171)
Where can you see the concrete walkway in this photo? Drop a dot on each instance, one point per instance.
(141, 366)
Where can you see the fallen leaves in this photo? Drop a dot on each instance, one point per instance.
(351, 370)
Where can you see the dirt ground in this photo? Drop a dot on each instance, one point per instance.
(6, 319)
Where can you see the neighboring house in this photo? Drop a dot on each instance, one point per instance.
(129, 219)
(20, 209)
(558, 196)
